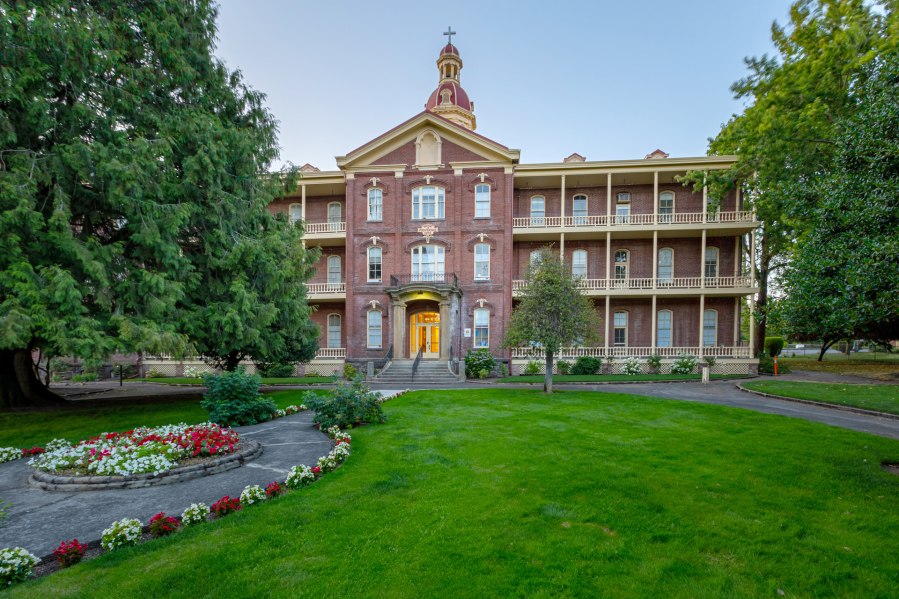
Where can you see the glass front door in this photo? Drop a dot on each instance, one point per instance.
(426, 334)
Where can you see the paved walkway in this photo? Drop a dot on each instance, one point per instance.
(40, 520)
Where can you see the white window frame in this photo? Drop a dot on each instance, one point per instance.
(706, 264)
(665, 280)
(574, 263)
(666, 217)
(484, 325)
(418, 205)
(534, 257)
(380, 263)
(659, 328)
(482, 206)
(338, 216)
(439, 263)
(290, 215)
(626, 264)
(714, 328)
(622, 200)
(369, 328)
(338, 331)
(487, 261)
(538, 217)
(379, 206)
(579, 219)
(616, 327)
(332, 280)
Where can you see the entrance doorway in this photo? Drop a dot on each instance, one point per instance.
(426, 334)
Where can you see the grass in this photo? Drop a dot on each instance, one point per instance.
(884, 367)
(882, 398)
(302, 380)
(497, 493)
(586, 378)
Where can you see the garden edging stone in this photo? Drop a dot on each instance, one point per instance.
(46, 481)
(820, 404)
(650, 382)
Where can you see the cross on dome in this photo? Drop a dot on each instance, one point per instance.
(449, 32)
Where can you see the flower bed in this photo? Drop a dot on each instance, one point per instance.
(150, 450)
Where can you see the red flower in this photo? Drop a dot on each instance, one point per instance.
(69, 554)
(161, 525)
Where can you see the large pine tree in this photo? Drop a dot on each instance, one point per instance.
(133, 193)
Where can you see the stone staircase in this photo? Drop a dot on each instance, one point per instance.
(429, 373)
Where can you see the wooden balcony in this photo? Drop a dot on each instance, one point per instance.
(324, 232)
(330, 353)
(326, 291)
(689, 286)
(687, 224)
(536, 353)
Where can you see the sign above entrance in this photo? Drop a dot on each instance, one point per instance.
(428, 230)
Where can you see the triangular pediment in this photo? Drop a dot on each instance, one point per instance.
(466, 145)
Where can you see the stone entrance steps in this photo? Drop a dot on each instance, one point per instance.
(432, 373)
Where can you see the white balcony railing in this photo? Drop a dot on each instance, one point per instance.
(686, 218)
(661, 284)
(325, 288)
(330, 352)
(626, 352)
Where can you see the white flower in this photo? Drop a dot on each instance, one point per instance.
(195, 513)
(300, 476)
(15, 565)
(252, 494)
(124, 532)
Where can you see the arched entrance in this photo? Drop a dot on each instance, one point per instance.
(425, 335)
(425, 316)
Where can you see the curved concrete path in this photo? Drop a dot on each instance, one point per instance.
(40, 520)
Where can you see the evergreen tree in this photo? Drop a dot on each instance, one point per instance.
(133, 195)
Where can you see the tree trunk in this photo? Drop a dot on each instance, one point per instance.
(848, 347)
(548, 381)
(19, 385)
(824, 348)
(232, 360)
(761, 305)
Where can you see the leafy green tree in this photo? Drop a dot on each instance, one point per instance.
(133, 195)
(842, 281)
(553, 311)
(786, 133)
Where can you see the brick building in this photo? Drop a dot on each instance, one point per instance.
(425, 231)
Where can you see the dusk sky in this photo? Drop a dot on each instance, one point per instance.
(609, 80)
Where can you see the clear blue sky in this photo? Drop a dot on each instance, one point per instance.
(609, 80)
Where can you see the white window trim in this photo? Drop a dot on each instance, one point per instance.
(290, 212)
(368, 216)
(673, 200)
(339, 208)
(328, 329)
(339, 268)
(437, 203)
(717, 261)
(477, 278)
(670, 328)
(531, 206)
(489, 199)
(627, 320)
(659, 262)
(437, 262)
(615, 266)
(586, 203)
(368, 343)
(702, 341)
(586, 260)
(475, 323)
(368, 256)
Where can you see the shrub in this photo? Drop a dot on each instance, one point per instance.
(482, 374)
(274, 489)
(711, 361)
(56, 378)
(122, 533)
(226, 505)
(69, 553)
(349, 372)
(632, 366)
(84, 378)
(300, 476)
(478, 360)
(190, 372)
(7, 454)
(59, 365)
(684, 364)
(564, 367)
(276, 371)
(154, 374)
(504, 370)
(15, 565)
(161, 525)
(233, 399)
(252, 494)
(327, 463)
(345, 405)
(766, 365)
(531, 367)
(774, 345)
(32, 451)
(195, 514)
(655, 362)
(92, 365)
(586, 365)
(127, 368)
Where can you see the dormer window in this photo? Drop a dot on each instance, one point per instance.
(445, 97)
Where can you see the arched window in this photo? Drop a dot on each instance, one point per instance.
(374, 204)
(334, 269)
(482, 261)
(622, 208)
(333, 330)
(711, 264)
(666, 207)
(374, 264)
(296, 212)
(482, 327)
(666, 265)
(579, 209)
(334, 212)
(427, 263)
(620, 325)
(579, 263)
(663, 334)
(482, 201)
(427, 202)
(621, 262)
(709, 328)
(374, 329)
(538, 211)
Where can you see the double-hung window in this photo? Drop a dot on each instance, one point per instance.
(296, 212)
(711, 266)
(334, 272)
(374, 264)
(482, 261)
(538, 211)
(666, 207)
(427, 202)
(620, 324)
(427, 263)
(334, 330)
(482, 327)
(579, 264)
(621, 261)
(374, 204)
(622, 208)
(579, 210)
(482, 201)
(709, 328)
(666, 266)
(374, 329)
(663, 338)
(335, 216)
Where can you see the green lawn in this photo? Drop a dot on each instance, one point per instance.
(493, 493)
(302, 380)
(588, 378)
(883, 398)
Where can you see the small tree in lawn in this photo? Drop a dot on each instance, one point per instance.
(553, 311)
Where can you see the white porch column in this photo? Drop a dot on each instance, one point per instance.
(701, 318)
(705, 204)
(444, 332)
(609, 195)
(752, 326)
(606, 323)
(655, 197)
(399, 323)
(702, 263)
(303, 203)
(608, 259)
(563, 200)
(752, 256)
(655, 261)
(562, 246)
(654, 328)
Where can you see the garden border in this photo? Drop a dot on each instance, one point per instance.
(45, 481)
(650, 382)
(820, 404)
